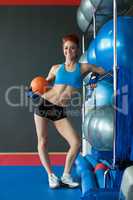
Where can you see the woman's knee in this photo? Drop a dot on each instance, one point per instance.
(42, 142)
(76, 144)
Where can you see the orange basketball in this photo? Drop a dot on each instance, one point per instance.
(39, 85)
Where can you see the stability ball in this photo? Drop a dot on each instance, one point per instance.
(104, 43)
(103, 93)
(91, 53)
(87, 8)
(88, 181)
(98, 128)
(81, 20)
(83, 58)
(82, 164)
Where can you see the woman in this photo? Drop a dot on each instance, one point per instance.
(67, 79)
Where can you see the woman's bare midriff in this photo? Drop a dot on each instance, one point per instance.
(59, 94)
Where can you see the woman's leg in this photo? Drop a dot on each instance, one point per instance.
(42, 134)
(65, 128)
(41, 125)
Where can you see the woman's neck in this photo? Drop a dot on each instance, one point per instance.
(70, 63)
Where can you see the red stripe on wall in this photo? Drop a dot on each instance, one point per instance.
(30, 159)
(40, 2)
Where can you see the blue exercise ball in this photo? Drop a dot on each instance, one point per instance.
(103, 94)
(88, 181)
(104, 43)
(82, 164)
(91, 53)
(91, 160)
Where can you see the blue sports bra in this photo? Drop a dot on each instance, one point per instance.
(65, 77)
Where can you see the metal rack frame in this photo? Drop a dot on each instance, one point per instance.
(115, 71)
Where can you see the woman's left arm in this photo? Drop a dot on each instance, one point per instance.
(87, 68)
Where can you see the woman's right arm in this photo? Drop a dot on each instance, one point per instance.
(51, 76)
(52, 73)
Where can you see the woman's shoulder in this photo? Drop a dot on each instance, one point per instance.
(55, 67)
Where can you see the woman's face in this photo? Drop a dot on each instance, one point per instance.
(70, 50)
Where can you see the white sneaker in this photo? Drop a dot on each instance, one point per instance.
(53, 181)
(67, 180)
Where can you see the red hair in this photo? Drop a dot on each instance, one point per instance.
(71, 37)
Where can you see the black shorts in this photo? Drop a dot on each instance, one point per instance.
(49, 110)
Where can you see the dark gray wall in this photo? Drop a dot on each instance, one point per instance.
(30, 42)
